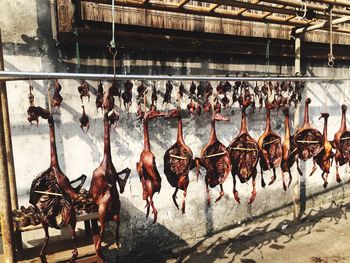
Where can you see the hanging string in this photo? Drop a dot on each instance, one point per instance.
(77, 51)
(267, 58)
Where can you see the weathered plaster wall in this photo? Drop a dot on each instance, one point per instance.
(28, 46)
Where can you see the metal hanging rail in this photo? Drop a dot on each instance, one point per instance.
(13, 76)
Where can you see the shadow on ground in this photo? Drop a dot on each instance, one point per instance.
(253, 238)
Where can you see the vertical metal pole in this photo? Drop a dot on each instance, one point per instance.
(299, 188)
(5, 198)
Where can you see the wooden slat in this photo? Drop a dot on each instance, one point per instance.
(182, 3)
(290, 17)
(341, 3)
(309, 6)
(81, 217)
(215, 155)
(260, 7)
(203, 11)
(48, 193)
(178, 157)
(65, 12)
(213, 7)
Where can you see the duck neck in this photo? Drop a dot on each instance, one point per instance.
(180, 137)
(213, 131)
(106, 140)
(53, 149)
(306, 114)
(325, 129)
(146, 142)
(243, 122)
(286, 122)
(268, 121)
(343, 120)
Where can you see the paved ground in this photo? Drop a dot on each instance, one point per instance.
(321, 236)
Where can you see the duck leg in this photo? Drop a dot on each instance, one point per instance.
(221, 194)
(313, 168)
(46, 241)
(273, 178)
(174, 198)
(235, 193)
(252, 198)
(74, 241)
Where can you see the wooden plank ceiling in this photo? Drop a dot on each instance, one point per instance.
(219, 26)
(295, 13)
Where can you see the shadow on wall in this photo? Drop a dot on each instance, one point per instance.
(252, 239)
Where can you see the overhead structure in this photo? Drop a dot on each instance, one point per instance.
(283, 12)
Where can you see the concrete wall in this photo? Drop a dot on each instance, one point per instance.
(28, 46)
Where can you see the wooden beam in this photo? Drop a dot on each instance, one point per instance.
(309, 6)
(213, 7)
(290, 17)
(341, 3)
(259, 7)
(5, 200)
(203, 11)
(269, 13)
(242, 10)
(182, 3)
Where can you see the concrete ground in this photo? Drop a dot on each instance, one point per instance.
(321, 236)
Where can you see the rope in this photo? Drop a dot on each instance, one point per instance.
(331, 58)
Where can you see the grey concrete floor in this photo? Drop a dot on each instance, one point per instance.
(322, 235)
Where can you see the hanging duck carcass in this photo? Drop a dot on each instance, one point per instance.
(52, 194)
(244, 153)
(178, 160)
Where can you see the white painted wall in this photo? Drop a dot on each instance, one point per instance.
(80, 153)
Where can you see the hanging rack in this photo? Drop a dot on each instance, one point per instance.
(14, 75)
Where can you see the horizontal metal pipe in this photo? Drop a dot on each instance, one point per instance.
(13, 76)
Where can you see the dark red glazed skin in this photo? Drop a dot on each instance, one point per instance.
(55, 210)
(103, 188)
(177, 169)
(146, 167)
